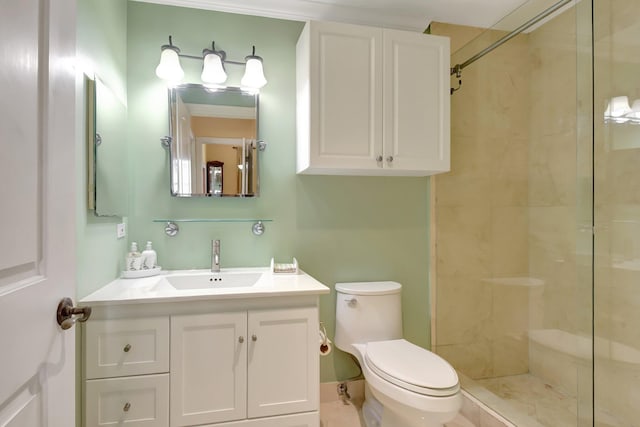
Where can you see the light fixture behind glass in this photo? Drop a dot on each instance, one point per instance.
(619, 111)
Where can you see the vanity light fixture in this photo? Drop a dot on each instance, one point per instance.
(169, 67)
(253, 72)
(213, 66)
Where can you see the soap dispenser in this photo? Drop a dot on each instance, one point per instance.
(149, 258)
(134, 258)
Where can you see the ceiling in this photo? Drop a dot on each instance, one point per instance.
(401, 14)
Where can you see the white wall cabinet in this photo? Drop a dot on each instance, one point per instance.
(371, 101)
(221, 365)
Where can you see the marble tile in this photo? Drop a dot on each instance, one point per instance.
(548, 406)
(463, 245)
(464, 305)
(510, 355)
(473, 359)
(552, 170)
(509, 241)
(509, 171)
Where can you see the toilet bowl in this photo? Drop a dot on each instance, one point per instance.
(413, 386)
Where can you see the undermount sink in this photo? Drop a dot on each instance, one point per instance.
(209, 280)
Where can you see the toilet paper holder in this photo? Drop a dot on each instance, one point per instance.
(325, 342)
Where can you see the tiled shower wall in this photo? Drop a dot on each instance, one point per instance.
(481, 213)
(505, 214)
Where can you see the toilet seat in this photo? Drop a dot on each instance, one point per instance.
(411, 367)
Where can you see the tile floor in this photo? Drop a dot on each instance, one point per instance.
(529, 395)
(336, 413)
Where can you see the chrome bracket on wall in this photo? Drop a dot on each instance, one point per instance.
(165, 141)
(171, 229)
(258, 228)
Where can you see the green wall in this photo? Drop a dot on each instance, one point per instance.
(101, 42)
(339, 228)
(101, 50)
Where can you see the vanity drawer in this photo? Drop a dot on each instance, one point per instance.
(135, 401)
(115, 348)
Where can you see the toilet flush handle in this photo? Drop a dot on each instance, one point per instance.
(352, 302)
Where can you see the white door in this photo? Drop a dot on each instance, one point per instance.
(37, 197)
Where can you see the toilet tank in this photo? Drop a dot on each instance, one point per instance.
(367, 311)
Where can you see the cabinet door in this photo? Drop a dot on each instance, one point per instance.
(345, 82)
(208, 368)
(416, 102)
(283, 362)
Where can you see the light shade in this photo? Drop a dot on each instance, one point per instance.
(212, 68)
(253, 73)
(618, 107)
(169, 67)
(635, 110)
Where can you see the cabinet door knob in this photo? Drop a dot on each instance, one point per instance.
(379, 159)
(254, 338)
(241, 339)
(390, 159)
(127, 406)
(127, 348)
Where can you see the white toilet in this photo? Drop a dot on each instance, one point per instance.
(406, 385)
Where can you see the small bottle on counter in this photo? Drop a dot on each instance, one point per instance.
(149, 258)
(134, 258)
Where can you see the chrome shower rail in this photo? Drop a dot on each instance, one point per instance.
(457, 69)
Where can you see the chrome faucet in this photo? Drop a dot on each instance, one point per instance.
(215, 256)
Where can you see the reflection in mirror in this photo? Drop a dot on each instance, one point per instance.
(213, 141)
(106, 145)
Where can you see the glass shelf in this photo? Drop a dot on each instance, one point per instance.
(213, 220)
(171, 228)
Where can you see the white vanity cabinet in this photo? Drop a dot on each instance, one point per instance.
(229, 363)
(232, 366)
(371, 101)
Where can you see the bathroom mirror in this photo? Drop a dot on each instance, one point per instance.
(214, 147)
(107, 150)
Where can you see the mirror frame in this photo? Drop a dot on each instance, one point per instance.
(97, 179)
(172, 94)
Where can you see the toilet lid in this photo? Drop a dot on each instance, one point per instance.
(411, 367)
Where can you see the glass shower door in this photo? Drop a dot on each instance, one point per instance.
(617, 212)
(514, 219)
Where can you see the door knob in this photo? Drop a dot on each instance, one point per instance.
(66, 312)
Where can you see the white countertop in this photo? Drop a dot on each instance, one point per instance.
(158, 289)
